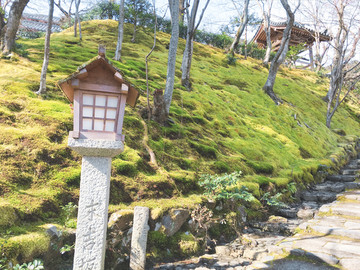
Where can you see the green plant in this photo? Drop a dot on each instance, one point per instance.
(66, 248)
(291, 187)
(34, 265)
(273, 201)
(231, 59)
(225, 187)
(68, 211)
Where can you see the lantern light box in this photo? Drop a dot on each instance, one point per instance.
(99, 94)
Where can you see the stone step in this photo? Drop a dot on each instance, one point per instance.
(330, 187)
(328, 229)
(327, 245)
(350, 171)
(318, 196)
(348, 209)
(352, 165)
(341, 178)
(351, 185)
(352, 195)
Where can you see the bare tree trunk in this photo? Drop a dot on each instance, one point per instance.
(189, 46)
(244, 21)
(12, 25)
(266, 21)
(245, 43)
(42, 87)
(311, 56)
(75, 26)
(134, 32)
(181, 10)
(170, 77)
(121, 31)
(77, 4)
(281, 53)
(147, 68)
(2, 24)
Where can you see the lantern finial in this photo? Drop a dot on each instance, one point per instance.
(102, 50)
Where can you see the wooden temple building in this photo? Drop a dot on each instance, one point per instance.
(299, 35)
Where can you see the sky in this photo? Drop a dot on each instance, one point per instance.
(218, 13)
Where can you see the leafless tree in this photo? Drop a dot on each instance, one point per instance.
(313, 12)
(170, 77)
(77, 19)
(42, 87)
(281, 53)
(12, 25)
(191, 29)
(121, 30)
(146, 65)
(345, 74)
(243, 21)
(266, 6)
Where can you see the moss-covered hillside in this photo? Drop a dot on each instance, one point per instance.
(225, 124)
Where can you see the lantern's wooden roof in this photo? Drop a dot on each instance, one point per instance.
(299, 34)
(91, 67)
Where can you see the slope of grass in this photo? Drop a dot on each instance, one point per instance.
(225, 124)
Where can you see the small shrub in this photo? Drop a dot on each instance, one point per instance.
(34, 265)
(231, 59)
(225, 187)
(68, 212)
(273, 201)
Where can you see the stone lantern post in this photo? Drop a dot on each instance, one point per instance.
(99, 94)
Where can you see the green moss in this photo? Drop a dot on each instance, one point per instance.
(204, 150)
(25, 247)
(70, 176)
(8, 215)
(124, 167)
(221, 167)
(224, 124)
(261, 167)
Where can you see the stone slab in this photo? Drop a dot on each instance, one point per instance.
(139, 238)
(96, 148)
(341, 178)
(350, 263)
(342, 250)
(92, 214)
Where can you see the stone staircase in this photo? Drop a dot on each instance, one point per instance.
(328, 234)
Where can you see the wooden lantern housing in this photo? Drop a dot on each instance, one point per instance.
(99, 94)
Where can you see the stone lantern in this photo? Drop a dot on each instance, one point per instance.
(99, 94)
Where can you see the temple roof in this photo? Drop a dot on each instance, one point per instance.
(299, 34)
(38, 23)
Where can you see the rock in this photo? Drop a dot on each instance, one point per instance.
(338, 187)
(121, 220)
(53, 232)
(326, 196)
(305, 213)
(223, 250)
(173, 221)
(242, 213)
(351, 185)
(309, 196)
(310, 205)
(350, 171)
(287, 212)
(341, 178)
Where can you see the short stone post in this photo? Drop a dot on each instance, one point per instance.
(139, 238)
(94, 200)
